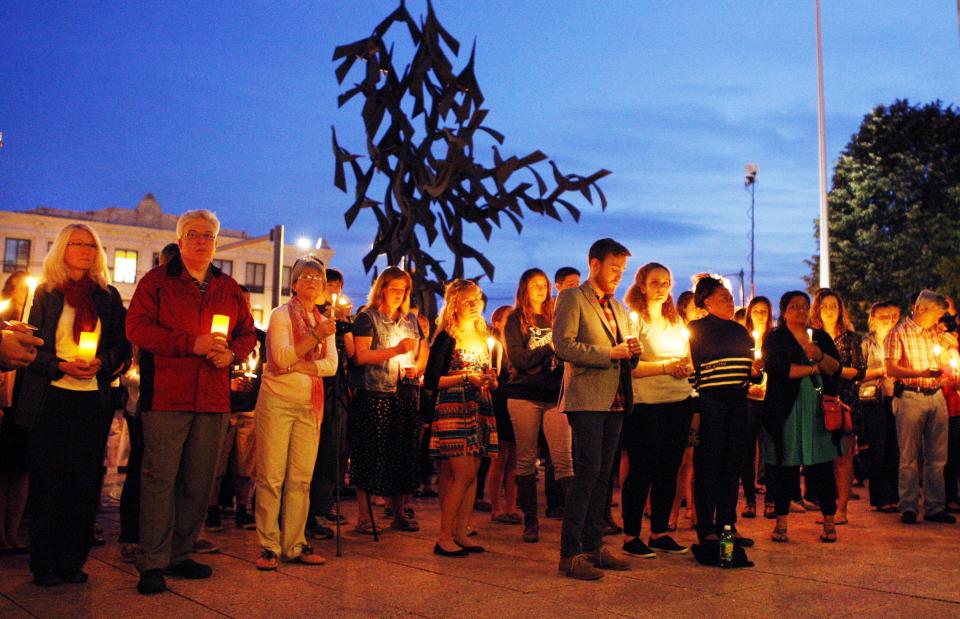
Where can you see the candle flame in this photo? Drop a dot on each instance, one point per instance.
(756, 335)
(937, 349)
(686, 334)
(32, 283)
(4, 305)
(954, 363)
(634, 317)
(491, 342)
(810, 333)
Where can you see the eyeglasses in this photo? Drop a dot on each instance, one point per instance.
(206, 236)
(81, 244)
(886, 317)
(311, 278)
(799, 307)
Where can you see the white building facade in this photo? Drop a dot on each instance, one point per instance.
(133, 239)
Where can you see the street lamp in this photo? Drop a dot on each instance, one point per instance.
(750, 184)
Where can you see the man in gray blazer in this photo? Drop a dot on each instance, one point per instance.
(592, 336)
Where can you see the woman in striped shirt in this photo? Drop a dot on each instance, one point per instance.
(722, 354)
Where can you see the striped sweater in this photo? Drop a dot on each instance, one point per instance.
(722, 353)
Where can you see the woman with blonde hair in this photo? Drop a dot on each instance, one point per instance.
(64, 400)
(383, 425)
(464, 429)
(301, 350)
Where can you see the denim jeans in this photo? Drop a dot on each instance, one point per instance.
(597, 435)
(921, 427)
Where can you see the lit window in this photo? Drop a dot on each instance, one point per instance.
(125, 266)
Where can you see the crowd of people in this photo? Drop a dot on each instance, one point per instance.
(682, 401)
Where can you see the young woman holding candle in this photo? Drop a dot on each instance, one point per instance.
(876, 404)
(828, 313)
(301, 350)
(459, 379)
(65, 403)
(384, 423)
(655, 435)
(759, 321)
(532, 393)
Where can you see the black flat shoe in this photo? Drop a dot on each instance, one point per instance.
(47, 578)
(470, 549)
(76, 577)
(437, 550)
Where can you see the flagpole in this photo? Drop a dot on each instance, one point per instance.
(824, 215)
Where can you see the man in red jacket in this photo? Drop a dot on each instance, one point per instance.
(184, 394)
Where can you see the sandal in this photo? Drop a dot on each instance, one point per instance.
(836, 520)
(750, 511)
(365, 527)
(829, 534)
(779, 536)
(769, 512)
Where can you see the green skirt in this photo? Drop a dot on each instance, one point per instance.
(805, 441)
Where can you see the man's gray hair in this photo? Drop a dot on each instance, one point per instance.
(197, 214)
(927, 297)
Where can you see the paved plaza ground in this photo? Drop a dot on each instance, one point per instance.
(879, 568)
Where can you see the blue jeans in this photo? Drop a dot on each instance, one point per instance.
(921, 426)
(596, 436)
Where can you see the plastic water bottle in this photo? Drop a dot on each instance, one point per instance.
(726, 547)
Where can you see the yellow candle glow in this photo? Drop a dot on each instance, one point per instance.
(343, 300)
(937, 349)
(686, 334)
(954, 363)
(88, 346)
(810, 334)
(333, 298)
(221, 324)
(4, 305)
(250, 367)
(31, 288)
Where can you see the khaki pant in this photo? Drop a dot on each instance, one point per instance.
(179, 459)
(286, 446)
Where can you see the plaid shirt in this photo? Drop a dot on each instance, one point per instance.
(911, 346)
(604, 300)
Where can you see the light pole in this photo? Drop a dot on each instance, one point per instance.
(824, 215)
(750, 184)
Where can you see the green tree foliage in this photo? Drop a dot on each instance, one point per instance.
(895, 207)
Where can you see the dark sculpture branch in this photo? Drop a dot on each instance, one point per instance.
(434, 182)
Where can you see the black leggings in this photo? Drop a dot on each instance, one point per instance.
(782, 482)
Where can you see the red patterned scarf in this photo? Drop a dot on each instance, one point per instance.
(79, 294)
(301, 331)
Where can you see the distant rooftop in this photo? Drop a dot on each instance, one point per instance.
(147, 214)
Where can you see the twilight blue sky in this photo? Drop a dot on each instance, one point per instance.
(228, 106)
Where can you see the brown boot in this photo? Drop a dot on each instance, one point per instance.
(527, 500)
(579, 567)
(606, 560)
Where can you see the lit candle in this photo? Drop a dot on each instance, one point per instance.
(88, 346)
(491, 342)
(31, 288)
(250, 367)
(4, 305)
(333, 298)
(810, 334)
(344, 300)
(954, 363)
(937, 350)
(686, 334)
(221, 324)
(635, 323)
(756, 344)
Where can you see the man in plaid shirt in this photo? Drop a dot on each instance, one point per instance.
(920, 408)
